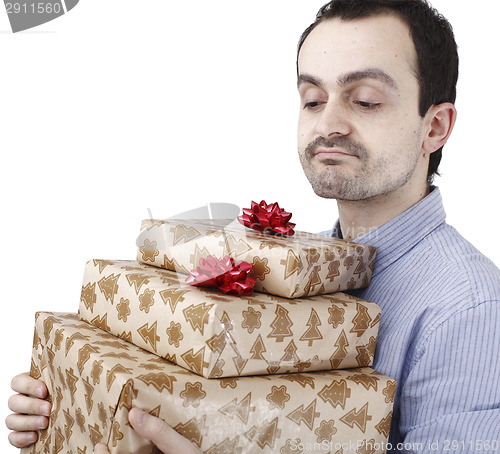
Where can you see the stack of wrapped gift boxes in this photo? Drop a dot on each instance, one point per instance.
(285, 369)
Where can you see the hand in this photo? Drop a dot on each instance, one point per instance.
(166, 439)
(30, 410)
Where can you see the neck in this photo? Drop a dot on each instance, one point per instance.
(359, 217)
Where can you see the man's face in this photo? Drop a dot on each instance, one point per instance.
(360, 132)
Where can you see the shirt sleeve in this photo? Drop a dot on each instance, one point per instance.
(450, 400)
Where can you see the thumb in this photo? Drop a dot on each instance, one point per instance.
(160, 433)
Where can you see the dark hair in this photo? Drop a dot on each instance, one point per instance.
(434, 42)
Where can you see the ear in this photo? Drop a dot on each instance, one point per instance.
(440, 119)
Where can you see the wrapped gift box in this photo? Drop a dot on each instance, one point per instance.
(217, 335)
(94, 379)
(302, 265)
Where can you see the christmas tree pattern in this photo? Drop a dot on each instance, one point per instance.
(340, 352)
(314, 280)
(103, 416)
(363, 358)
(195, 361)
(148, 334)
(58, 441)
(360, 267)
(217, 343)
(101, 264)
(226, 447)
(384, 425)
(241, 409)
(265, 434)
(159, 381)
(313, 332)
(290, 357)
(305, 415)
(357, 417)
(88, 296)
(336, 393)
(281, 325)
(84, 355)
(183, 233)
(389, 391)
(137, 280)
(312, 256)
(361, 321)
(292, 264)
(172, 264)
(109, 286)
(89, 392)
(198, 316)
(192, 430)
(333, 270)
(236, 247)
(198, 254)
(366, 447)
(258, 348)
(172, 297)
(68, 427)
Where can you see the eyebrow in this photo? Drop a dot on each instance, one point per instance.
(349, 78)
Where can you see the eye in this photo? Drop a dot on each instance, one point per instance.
(367, 105)
(311, 105)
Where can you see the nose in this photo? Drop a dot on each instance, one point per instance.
(333, 121)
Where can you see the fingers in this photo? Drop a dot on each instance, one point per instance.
(30, 410)
(26, 423)
(24, 384)
(20, 403)
(22, 439)
(101, 449)
(160, 433)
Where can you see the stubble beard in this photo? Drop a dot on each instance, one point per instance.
(332, 181)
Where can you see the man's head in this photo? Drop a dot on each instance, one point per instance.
(388, 70)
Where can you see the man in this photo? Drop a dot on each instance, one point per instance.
(377, 81)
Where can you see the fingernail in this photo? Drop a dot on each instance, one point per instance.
(42, 423)
(30, 437)
(141, 416)
(45, 408)
(39, 392)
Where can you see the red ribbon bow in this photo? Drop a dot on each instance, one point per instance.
(227, 275)
(268, 218)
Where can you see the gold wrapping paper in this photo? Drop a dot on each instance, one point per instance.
(302, 265)
(217, 335)
(94, 378)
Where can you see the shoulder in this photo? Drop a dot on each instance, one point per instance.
(460, 278)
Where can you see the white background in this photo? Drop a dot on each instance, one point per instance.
(120, 106)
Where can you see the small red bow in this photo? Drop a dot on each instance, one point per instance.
(227, 275)
(268, 218)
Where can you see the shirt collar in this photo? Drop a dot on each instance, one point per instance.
(399, 235)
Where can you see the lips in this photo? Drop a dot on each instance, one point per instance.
(331, 153)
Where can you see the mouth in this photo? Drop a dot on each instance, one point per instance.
(331, 153)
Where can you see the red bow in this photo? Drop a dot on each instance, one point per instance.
(227, 275)
(267, 218)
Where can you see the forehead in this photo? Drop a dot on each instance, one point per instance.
(337, 47)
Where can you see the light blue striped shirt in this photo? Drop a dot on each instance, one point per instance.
(439, 334)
